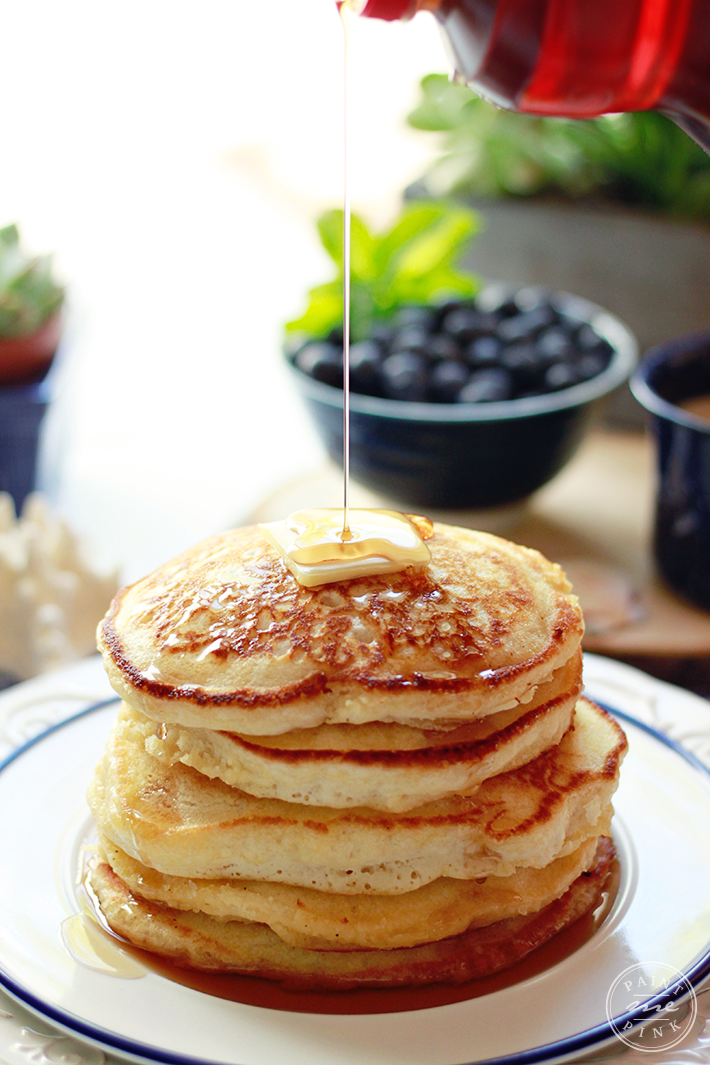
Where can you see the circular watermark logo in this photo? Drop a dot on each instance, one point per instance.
(662, 1002)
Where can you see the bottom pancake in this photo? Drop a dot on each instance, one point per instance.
(319, 920)
(197, 941)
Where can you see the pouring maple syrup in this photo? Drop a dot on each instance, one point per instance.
(325, 545)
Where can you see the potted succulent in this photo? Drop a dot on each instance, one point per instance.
(616, 209)
(462, 396)
(30, 328)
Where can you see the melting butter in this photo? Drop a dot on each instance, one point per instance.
(319, 549)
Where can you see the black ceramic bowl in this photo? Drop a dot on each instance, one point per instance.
(463, 456)
(668, 376)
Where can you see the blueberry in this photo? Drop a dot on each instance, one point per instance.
(365, 363)
(404, 376)
(487, 386)
(382, 333)
(514, 328)
(483, 351)
(554, 344)
(560, 375)
(446, 380)
(411, 338)
(322, 361)
(527, 325)
(442, 347)
(488, 323)
(591, 364)
(465, 323)
(523, 362)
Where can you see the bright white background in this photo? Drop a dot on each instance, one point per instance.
(175, 156)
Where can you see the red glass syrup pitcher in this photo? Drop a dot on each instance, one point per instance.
(577, 58)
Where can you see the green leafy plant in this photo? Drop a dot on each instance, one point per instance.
(29, 295)
(412, 262)
(640, 159)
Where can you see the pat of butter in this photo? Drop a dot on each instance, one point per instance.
(318, 549)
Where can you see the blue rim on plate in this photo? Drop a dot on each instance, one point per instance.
(557, 1050)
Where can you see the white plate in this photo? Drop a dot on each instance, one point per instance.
(661, 915)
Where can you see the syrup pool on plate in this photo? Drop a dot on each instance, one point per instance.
(267, 994)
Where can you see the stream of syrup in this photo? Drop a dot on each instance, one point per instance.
(322, 546)
(347, 260)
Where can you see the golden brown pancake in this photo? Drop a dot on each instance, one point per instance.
(224, 638)
(390, 780)
(384, 766)
(320, 920)
(199, 941)
(182, 823)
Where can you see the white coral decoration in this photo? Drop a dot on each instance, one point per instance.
(50, 600)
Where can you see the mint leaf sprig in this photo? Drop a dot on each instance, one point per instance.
(412, 262)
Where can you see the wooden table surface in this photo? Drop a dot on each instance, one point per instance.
(595, 519)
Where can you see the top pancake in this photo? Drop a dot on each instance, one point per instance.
(224, 637)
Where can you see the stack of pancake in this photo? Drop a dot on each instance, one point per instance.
(392, 780)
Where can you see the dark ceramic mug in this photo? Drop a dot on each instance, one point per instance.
(670, 378)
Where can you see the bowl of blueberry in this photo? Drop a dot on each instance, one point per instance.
(472, 403)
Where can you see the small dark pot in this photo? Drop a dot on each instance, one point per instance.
(667, 376)
(465, 456)
(22, 408)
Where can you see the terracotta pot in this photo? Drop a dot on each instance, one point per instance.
(27, 358)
